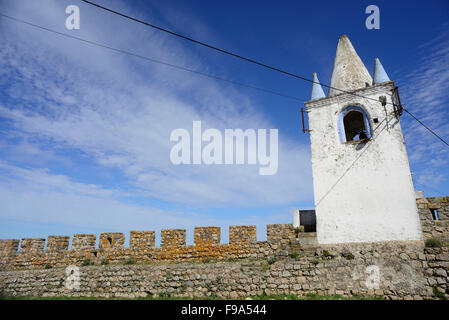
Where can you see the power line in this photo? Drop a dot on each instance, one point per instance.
(202, 73)
(152, 60)
(430, 130)
(235, 55)
(248, 59)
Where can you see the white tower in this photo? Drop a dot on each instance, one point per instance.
(361, 175)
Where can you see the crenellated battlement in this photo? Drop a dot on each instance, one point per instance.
(111, 248)
(142, 240)
(112, 240)
(55, 251)
(56, 244)
(32, 246)
(207, 236)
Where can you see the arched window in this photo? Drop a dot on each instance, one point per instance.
(353, 124)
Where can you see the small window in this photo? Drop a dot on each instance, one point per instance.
(353, 125)
(434, 214)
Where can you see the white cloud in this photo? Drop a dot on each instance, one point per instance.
(118, 112)
(425, 94)
(38, 196)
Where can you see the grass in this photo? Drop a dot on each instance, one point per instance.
(206, 260)
(349, 256)
(130, 261)
(433, 243)
(272, 260)
(265, 267)
(86, 262)
(264, 296)
(438, 294)
(294, 255)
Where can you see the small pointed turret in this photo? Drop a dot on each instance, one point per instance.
(379, 72)
(349, 72)
(317, 90)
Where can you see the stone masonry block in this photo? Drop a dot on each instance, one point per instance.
(84, 242)
(32, 245)
(109, 240)
(280, 233)
(207, 236)
(8, 247)
(172, 238)
(142, 239)
(58, 243)
(242, 234)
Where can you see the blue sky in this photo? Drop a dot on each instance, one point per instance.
(85, 131)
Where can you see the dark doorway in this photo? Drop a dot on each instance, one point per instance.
(307, 218)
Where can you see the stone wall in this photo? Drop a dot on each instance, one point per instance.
(436, 268)
(326, 270)
(206, 236)
(289, 261)
(83, 242)
(430, 227)
(242, 244)
(112, 240)
(142, 239)
(57, 243)
(242, 234)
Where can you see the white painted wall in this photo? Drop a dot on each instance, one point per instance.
(296, 221)
(361, 194)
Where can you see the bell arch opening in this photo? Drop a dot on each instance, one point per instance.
(353, 125)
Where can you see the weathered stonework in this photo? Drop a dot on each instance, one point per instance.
(206, 236)
(84, 242)
(436, 269)
(112, 240)
(432, 228)
(325, 270)
(58, 243)
(8, 251)
(142, 240)
(285, 263)
(282, 233)
(242, 234)
(32, 246)
(173, 238)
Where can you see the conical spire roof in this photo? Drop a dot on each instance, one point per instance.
(349, 72)
(379, 72)
(317, 90)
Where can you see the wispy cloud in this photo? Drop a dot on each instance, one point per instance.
(87, 104)
(425, 92)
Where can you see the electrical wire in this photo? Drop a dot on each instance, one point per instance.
(430, 130)
(248, 59)
(202, 73)
(235, 55)
(152, 59)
